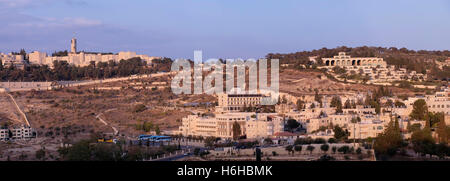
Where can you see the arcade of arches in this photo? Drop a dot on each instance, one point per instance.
(344, 60)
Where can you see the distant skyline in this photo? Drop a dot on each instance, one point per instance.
(222, 28)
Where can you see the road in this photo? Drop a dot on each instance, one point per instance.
(173, 158)
(20, 110)
(116, 131)
(89, 82)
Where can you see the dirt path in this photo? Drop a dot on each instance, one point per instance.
(116, 131)
(20, 110)
(9, 109)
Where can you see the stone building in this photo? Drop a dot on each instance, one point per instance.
(344, 60)
(83, 58)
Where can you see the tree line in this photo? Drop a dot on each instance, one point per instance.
(62, 70)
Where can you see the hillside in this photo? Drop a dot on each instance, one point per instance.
(421, 61)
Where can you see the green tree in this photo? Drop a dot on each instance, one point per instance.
(399, 104)
(209, 141)
(80, 151)
(310, 148)
(236, 130)
(356, 120)
(434, 118)
(344, 149)
(289, 148)
(423, 141)
(347, 104)
(414, 127)
(390, 140)
(339, 133)
(358, 151)
(40, 154)
(298, 148)
(139, 108)
(300, 104)
(157, 130)
(325, 147)
(420, 110)
(443, 132)
(332, 140)
(336, 102)
(318, 97)
(292, 124)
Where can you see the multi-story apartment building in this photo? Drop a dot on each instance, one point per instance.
(365, 129)
(235, 102)
(23, 132)
(198, 126)
(4, 134)
(360, 110)
(440, 101)
(265, 127)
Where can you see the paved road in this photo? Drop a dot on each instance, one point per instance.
(173, 158)
(89, 82)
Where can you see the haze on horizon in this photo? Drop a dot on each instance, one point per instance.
(222, 29)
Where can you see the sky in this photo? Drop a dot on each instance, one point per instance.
(222, 28)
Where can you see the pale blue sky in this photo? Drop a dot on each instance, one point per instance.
(222, 28)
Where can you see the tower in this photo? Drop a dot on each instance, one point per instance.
(73, 45)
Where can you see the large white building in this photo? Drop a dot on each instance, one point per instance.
(366, 129)
(82, 58)
(21, 132)
(252, 125)
(12, 60)
(438, 102)
(235, 102)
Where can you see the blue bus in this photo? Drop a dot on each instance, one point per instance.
(162, 138)
(145, 137)
(155, 138)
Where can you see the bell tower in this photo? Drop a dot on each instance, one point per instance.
(73, 45)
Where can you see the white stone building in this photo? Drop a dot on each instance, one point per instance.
(252, 125)
(12, 60)
(82, 58)
(235, 102)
